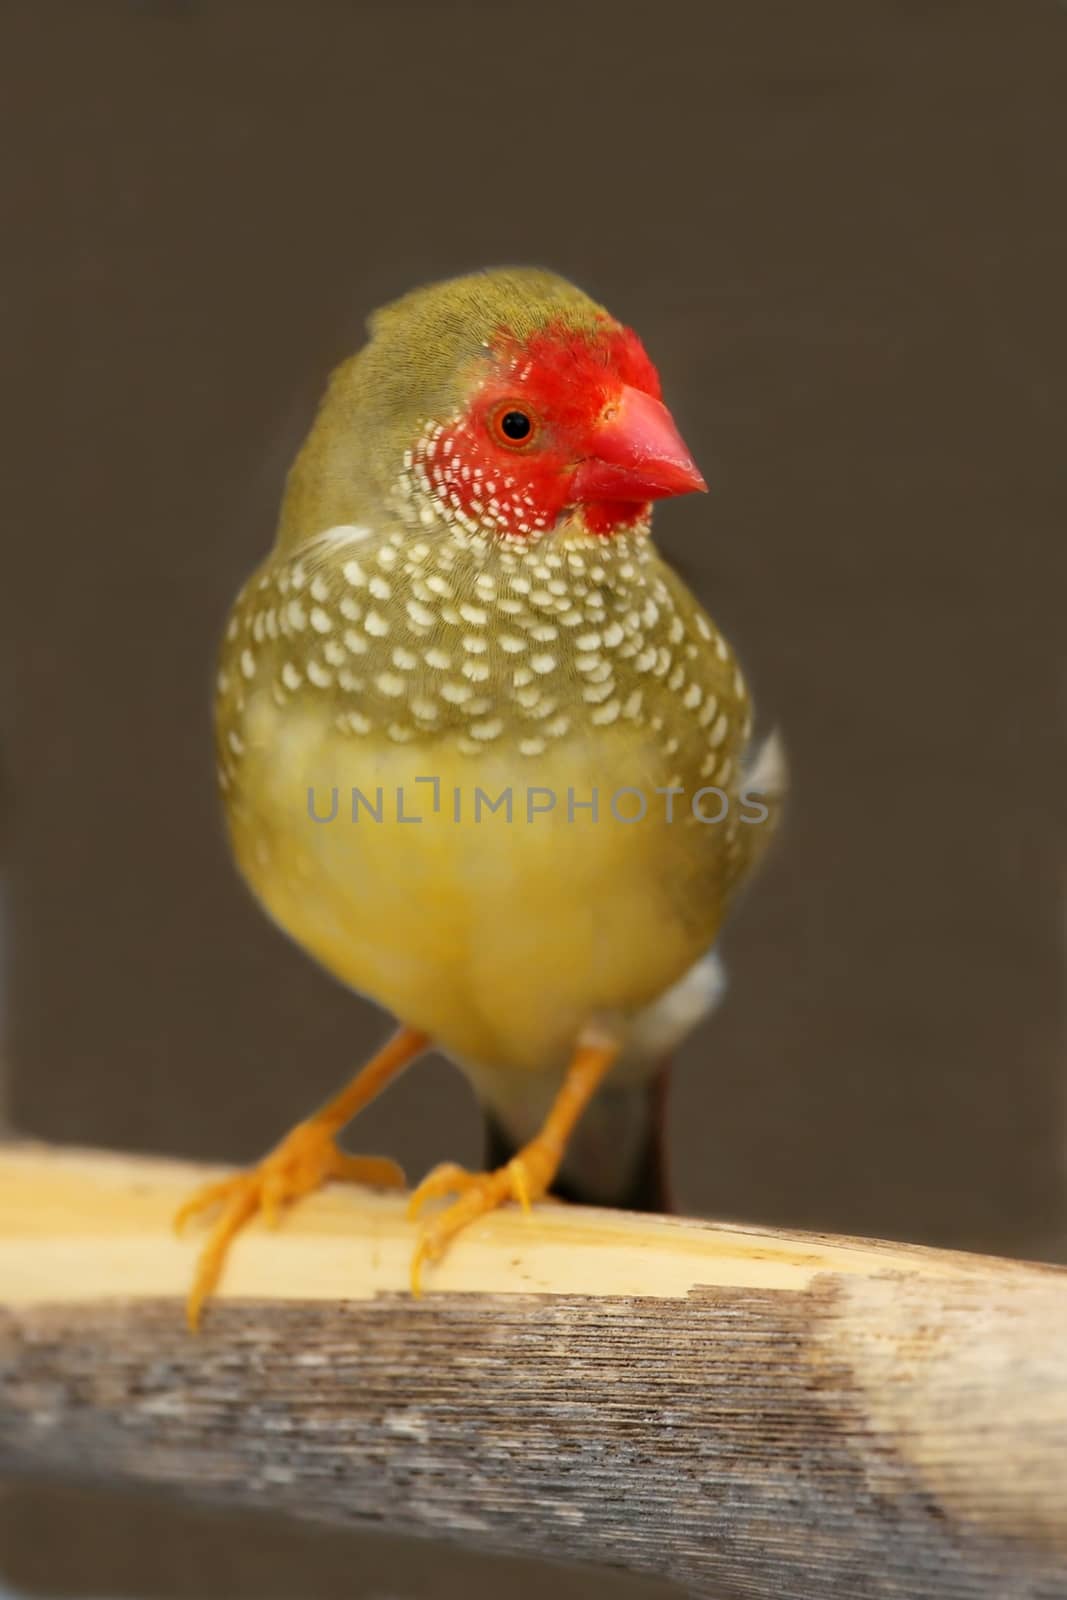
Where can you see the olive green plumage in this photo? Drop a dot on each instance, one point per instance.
(422, 355)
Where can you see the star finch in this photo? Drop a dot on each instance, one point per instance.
(481, 752)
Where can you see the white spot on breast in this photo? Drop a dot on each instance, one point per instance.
(456, 693)
(355, 642)
(379, 588)
(404, 659)
(718, 733)
(605, 714)
(511, 645)
(320, 621)
(290, 676)
(613, 635)
(543, 663)
(440, 660)
(319, 589)
(248, 663)
(319, 675)
(376, 624)
(296, 614)
(420, 615)
(389, 683)
(692, 697)
(354, 574)
(490, 729)
(358, 722)
(235, 742)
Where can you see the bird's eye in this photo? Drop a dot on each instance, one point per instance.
(512, 425)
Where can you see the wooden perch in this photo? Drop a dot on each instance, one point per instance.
(751, 1413)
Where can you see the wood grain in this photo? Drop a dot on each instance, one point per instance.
(747, 1412)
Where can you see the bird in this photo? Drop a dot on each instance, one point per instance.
(481, 752)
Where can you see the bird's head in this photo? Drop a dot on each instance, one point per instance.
(500, 403)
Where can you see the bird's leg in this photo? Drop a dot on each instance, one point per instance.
(526, 1177)
(304, 1160)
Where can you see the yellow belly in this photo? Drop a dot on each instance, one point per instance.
(502, 936)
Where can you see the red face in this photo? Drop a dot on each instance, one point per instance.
(564, 419)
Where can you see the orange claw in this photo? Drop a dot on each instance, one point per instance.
(526, 1178)
(305, 1160)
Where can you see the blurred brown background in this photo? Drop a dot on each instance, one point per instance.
(840, 229)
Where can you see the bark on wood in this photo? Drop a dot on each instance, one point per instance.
(748, 1412)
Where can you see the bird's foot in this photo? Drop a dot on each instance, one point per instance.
(526, 1178)
(306, 1159)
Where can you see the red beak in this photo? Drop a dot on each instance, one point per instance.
(637, 454)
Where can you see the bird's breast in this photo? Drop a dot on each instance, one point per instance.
(476, 801)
